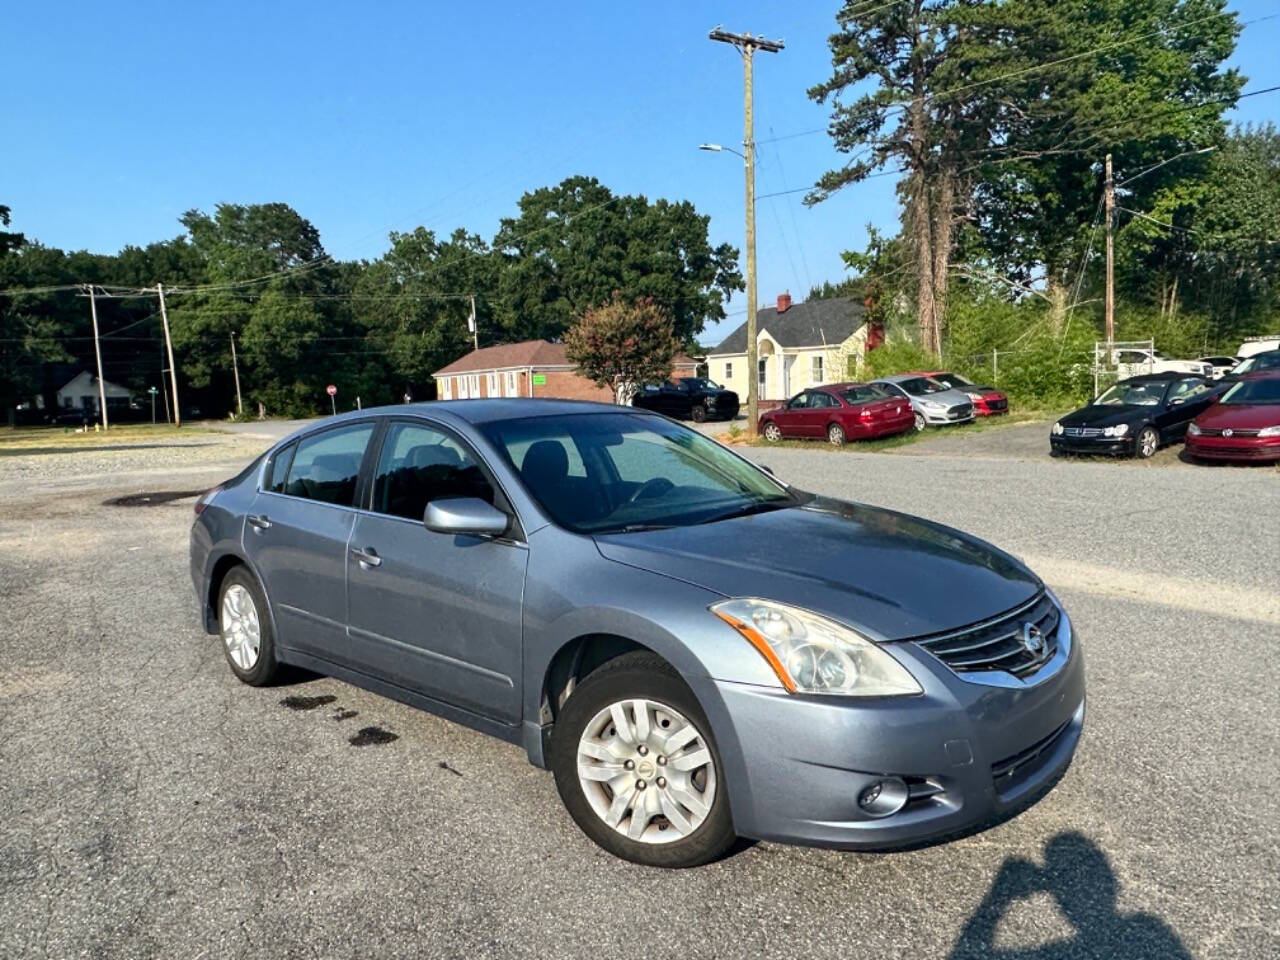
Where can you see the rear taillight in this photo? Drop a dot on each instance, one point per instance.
(205, 499)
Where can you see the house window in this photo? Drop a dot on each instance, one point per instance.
(463, 393)
(815, 370)
(728, 370)
(512, 383)
(761, 375)
(473, 385)
(446, 388)
(492, 385)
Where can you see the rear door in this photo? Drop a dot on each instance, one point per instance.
(296, 535)
(432, 612)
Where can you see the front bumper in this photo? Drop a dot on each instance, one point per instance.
(1228, 448)
(796, 765)
(943, 417)
(1113, 446)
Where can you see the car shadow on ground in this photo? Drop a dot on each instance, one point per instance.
(1246, 464)
(98, 448)
(1077, 875)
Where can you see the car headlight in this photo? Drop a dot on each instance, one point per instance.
(975, 397)
(1057, 429)
(1119, 430)
(811, 654)
(934, 405)
(1194, 430)
(1270, 431)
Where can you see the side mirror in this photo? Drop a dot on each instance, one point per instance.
(469, 516)
(766, 468)
(1177, 401)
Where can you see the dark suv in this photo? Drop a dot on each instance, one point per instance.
(691, 398)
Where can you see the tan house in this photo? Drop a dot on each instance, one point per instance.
(798, 345)
(534, 368)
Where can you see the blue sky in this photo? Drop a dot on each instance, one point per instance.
(386, 115)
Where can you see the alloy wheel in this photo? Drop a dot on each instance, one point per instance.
(920, 424)
(835, 434)
(772, 433)
(646, 771)
(1147, 443)
(241, 629)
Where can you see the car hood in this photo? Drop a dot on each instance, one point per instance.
(948, 398)
(720, 393)
(889, 574)
(1240, 416)
(1106, 415)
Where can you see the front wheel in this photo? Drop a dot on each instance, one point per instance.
(637, 768)
(835, 434)
(699, 413)
(1147, 443)
(920, 422)
(772, 432)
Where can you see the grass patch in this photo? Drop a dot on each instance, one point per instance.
(34, 440)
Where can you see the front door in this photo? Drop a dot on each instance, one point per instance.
(296, 536)
(1187, 399)
(431, 612)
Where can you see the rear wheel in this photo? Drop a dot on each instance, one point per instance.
(835, 434)
(699, 413)
(637, 768)
(772, 432)
(245, 627)
(920, 424)
(1147, 443)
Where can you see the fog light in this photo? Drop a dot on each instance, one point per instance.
(884, 797)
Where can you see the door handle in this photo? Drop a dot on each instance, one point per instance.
(368, 558)
(259, 522)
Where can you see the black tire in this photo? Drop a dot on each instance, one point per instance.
(920, 422)
(1146, 443)
(835, 435)
(635, 675)
(266, 668)
(699, 413)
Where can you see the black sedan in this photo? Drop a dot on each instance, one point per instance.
(691, 398)
(1136, 416)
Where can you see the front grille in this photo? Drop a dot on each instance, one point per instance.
(960, 412)
(1082, 431)
(997, 404)
(1005, 772)
(1215, 432)
(1000, 644)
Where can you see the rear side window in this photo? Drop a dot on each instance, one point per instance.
(326, 465)
(280, 468)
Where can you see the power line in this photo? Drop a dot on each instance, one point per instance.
(1195, 230)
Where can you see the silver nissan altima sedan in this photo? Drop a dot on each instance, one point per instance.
(696, 650)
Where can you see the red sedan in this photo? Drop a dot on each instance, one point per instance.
(839, 412)
(987, 401)
(1243, 425)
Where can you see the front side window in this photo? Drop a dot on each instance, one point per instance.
(640, 472)
(799, 402)
(1186, 389)
(419, 464)
(327, 464)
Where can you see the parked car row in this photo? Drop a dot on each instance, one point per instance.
(1236, 419)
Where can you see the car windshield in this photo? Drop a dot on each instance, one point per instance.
(626, 472)
(865, 393)
(701, 383)
(1144, 394)
(954, 379)
(1260, 361)
(921, 386)
(1254, 391)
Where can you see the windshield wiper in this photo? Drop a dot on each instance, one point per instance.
(760, 506)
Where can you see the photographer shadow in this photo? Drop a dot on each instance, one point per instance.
(1078, 876)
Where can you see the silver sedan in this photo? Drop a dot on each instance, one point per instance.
(934, 402)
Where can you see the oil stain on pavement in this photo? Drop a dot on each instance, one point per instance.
(371, 736)
(296, 702)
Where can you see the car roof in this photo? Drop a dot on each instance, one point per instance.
(1163, 375)
(899, 377)
(842, 385)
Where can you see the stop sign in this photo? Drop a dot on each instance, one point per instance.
(331, 390)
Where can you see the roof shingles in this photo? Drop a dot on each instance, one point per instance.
(808, 324)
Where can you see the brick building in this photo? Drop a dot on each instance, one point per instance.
(534, 368)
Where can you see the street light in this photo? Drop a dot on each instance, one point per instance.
(717, 148)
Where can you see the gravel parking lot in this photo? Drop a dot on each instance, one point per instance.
(156, 807)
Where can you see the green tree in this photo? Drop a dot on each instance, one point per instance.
(575, 244)
(622, 344)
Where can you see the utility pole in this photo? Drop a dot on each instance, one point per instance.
(164, 391)
(747, 45)
(471, 322)
(1110, 194)
(235, 367)
(97, 349)
(168, 343)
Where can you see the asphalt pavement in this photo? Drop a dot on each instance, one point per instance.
(154, 806)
